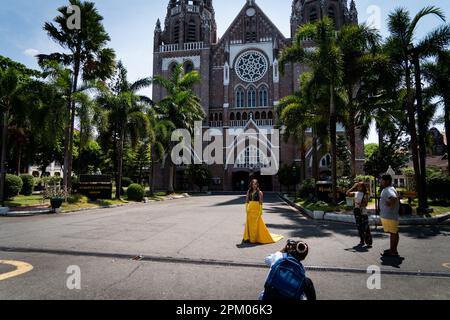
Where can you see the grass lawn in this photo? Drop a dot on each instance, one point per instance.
(320, 206)
(24, 201)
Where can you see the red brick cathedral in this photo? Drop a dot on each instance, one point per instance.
(241, 84)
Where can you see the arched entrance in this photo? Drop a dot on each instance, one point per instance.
(241, 179)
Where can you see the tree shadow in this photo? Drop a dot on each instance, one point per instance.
(233, 202)
(425, 232)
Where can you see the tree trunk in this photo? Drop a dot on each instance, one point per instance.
(3, 158)
(119, 165)
(72, 120)
(333, 143)
(170, 188)
(303, 157)
(352, 141)
(447, 129)
(412, 129)
(19, 158)
(423, 197)
(152, 173)
(315, 158)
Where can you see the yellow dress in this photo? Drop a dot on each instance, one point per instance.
(255, 229)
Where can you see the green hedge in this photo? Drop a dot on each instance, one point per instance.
(135, 192)
(28, 184)
(439, 188)
(13, 186)
(126, 182)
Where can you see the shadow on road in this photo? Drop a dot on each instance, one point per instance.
(394, 262)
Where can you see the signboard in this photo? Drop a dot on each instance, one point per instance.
(324, 190)
(95, 187)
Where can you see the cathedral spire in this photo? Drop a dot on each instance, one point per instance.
(353, 12)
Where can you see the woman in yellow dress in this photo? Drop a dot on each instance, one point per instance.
(255, 229)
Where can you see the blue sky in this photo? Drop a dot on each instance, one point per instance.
(131, 24)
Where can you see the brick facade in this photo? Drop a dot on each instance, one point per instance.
(241, 82)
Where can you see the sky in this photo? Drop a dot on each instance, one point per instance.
(131, 23)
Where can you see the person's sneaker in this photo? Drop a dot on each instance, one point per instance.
(389, 254)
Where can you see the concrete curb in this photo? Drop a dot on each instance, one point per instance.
(8, 213)
(373, 220)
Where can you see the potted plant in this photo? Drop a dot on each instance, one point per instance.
(56, 195)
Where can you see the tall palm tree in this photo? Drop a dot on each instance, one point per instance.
(159, 138)
(438, 76)
(9, 90)
(408, 53)
(126, 116)
(86, 55)
(181, 105)
(325, 60)
(358, 44)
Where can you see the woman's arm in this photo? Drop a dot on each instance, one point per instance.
(261, 197)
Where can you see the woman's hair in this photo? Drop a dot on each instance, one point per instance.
(250, 187)
(363, 187)
(298, 249)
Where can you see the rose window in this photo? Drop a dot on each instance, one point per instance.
(251, 66)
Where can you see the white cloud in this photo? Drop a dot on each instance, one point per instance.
(31, 52)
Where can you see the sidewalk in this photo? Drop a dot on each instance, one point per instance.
(373, 218)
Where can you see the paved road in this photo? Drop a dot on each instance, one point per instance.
(191, 250)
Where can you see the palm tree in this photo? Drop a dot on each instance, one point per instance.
(358, 44)
(181, 106)
(159, 138)
(325, 60)
(438, 75)
(126, 116)
(87, 56)
(408, 53)
(9, 89)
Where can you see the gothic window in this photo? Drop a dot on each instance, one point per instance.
(220, 117)
(331, 13)
(211, 117)
(270, 115)
(263, 97)
(192, 32)
(264, 115)
(313, 16)
(239, 97)
(251, 66)
(188, 67)
(238, 116)
(257, 116)
(251, 98)
(245, 116)
(176, 32)
(232, 116)
(326, 161)
(216, 117)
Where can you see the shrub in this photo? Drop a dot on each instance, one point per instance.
(135, 192)
(307, 189)
(28, 184)
(13, 186)
(77, 198)
(439, 187)
(126, 182)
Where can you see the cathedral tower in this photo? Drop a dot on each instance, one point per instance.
(304, 11)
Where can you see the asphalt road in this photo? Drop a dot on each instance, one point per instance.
(190, 249)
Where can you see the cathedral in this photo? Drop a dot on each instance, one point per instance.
(240, 80)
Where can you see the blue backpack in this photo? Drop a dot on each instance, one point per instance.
(286, 280)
